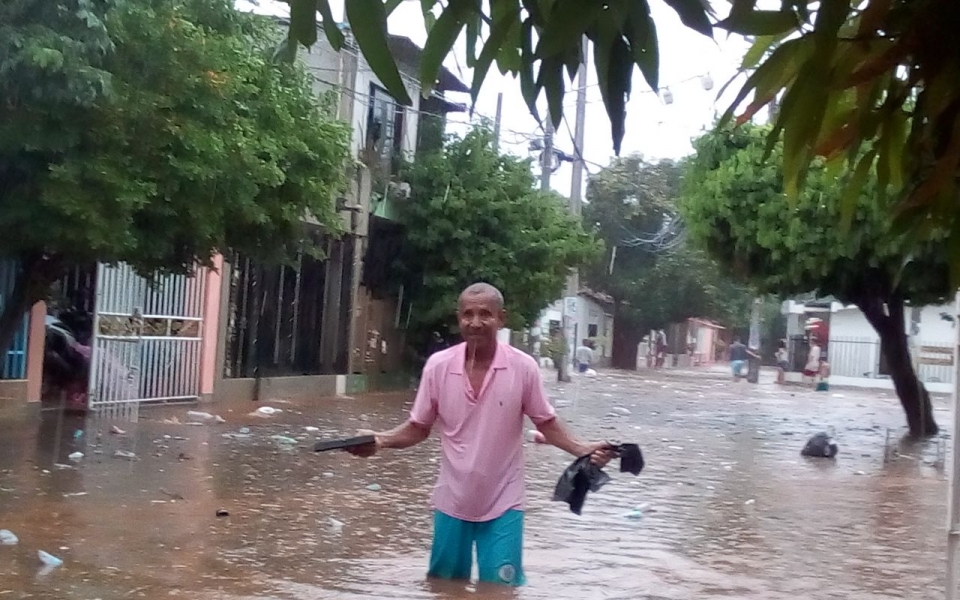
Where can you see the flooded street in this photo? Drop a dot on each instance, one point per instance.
(730, 508)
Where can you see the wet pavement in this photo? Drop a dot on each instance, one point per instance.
(729, 508)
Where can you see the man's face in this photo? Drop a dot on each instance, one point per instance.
(480, 317)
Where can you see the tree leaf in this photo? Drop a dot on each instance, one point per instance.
(391, 5)
(473, 34)
(775, 72)
(694, 14)
(642, 33)
(492, 48)
(567, 23)
(286, 50)
(528, 85)
(802, 127)
(854, 187)
(330, 25)
(368, 21)
(756, 51)
(440, 41)
(303, 21)
(614, 63)
(760, 22)
(551, 80)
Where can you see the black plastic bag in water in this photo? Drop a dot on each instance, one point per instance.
(583, 476)
(820, 446)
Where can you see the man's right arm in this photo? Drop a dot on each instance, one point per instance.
(403, 436)
(416, 428)
(406, 435)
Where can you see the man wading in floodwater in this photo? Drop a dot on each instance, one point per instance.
(478, 393)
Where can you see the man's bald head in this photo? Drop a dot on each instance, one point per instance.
(483, 290)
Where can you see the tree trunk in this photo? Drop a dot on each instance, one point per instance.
(623, 351)
(913, 395)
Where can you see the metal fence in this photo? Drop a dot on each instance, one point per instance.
(14, 362)
(862, 357)
(147, 337)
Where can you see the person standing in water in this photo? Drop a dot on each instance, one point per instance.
(739, 355)
(584, 356)
(478, 393)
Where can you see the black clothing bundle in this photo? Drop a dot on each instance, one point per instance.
(583, 476)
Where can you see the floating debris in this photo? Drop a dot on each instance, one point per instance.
(7, 538)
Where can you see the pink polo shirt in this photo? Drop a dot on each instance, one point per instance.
(481, 434)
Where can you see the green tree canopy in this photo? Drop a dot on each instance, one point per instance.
(735, 204)
(653, 275)
(874, 74)
(475, 215)
(873, 84)
(156, 133)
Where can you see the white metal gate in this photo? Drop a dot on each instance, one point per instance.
(147, 338)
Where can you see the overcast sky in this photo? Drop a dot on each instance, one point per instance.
(654, 128)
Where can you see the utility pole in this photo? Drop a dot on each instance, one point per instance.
(496, 123)
(572, 290)
(546, 159)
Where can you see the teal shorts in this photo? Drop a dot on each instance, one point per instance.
(499, 548)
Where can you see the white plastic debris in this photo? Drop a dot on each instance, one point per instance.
(76, 456)
(335, 526)
(750, 502)
(311, 429)
(117, 431)
(266, 411)
(125, 454)
(204, 417)
(48, 559)
(590, 373)
(620, 410)
(634, 515)
(374, 487)
(7, 538)
(282, 439)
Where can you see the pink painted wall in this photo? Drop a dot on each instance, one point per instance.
(35, 341)
(211, 326)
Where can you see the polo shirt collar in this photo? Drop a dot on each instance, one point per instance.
(500, 360)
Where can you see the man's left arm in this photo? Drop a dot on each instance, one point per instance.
(556, 434)
(538, 408)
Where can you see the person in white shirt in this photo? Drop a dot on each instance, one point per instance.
(812, 368)
(584, 356)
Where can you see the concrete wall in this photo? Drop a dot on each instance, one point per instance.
(854, 349)
(849, 322)
(13, 391)
(280, 388)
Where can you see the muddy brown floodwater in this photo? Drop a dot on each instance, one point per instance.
(730, 509)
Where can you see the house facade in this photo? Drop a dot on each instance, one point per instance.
(855, 352)
(336, 326)
(590, 317)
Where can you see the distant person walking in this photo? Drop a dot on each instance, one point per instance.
(811, 370)
(782, 357)
(661, 349)
(584, 356)
(739, 355)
